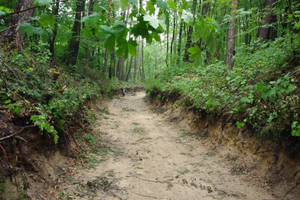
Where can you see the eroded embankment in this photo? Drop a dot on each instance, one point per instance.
(147, 152)
(272, 162)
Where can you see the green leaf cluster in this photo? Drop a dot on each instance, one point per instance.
(260, 91)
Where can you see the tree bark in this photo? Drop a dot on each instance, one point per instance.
(121, 72)
(264, 32)
(231, 34)
(106, 50)
(75, 40)
(112, 64)
(173, 34)
(11, 36)
(128, 74)
(136, 60)
(179, 41)
(142, 61)
(189, 35)
(105, 61)
(52, 38)
(88, 51)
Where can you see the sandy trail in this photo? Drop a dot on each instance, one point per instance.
(152, 158)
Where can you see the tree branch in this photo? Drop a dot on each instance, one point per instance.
(21, 11)
(9, 136)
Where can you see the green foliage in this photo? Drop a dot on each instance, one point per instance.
(260, 92)
(31, 91)
(47, 20)
(4, 10)
(42, 2)
(43, 124)
(27, 28)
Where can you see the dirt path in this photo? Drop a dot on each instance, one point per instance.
(151, 158)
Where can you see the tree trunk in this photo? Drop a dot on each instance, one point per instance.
(128, 74)
(121, 72)
(179, 41)
(173, 34)
(142, 61)
(105, 61)
(106, 50)
(52, 38)
(88, 51)
(75, 40)
(167, 52)
(11, 36)
(112, 64)
(264, 32)
(231, 34)
(189, 35)
(136, 61)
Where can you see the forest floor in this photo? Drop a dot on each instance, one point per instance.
(150, 157)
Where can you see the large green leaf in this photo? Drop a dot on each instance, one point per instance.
(195, 55)
(105, 31)
(150, 7)
(125, 47)
(187, 16)
(91, 20)
(123, 4)
(42, 2)
(43, 33)
(162, 4)
(172, 4)
(87, 32)
(27, 28)
(109, 43)
(120, 29)
(155, 36)
(110, 37)
(132, 2)
(152, 20)
(47, 20)
(134, 12)
(132, 47)
(185, 5)
(297, 40)
(141, 28)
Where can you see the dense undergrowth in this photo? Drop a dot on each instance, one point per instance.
(261, 92)
(49, 96)
(50, 103)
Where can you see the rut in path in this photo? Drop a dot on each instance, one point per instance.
(152, 158)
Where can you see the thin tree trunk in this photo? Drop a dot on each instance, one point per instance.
(179, 41)
(105, 61)
(173, 35)
(189, 35)
(88, 51)
(52, 38)
(106, 50)
(112, 63)
(136, 61)
(75, 40)
(128, 74)
(231, 34)
(142, 61)
(121, 72)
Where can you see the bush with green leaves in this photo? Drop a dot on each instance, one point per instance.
(27, 87)
(261, 91)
